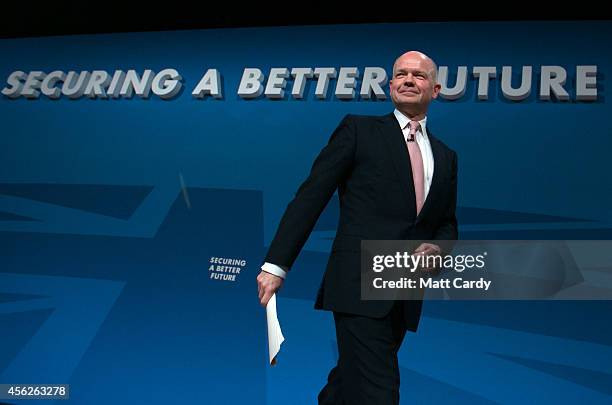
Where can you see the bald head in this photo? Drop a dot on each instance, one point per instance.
(414, 84)
(430, 65)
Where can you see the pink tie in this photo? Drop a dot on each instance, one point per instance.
(416, 161)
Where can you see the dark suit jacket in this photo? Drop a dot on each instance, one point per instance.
(366, 159)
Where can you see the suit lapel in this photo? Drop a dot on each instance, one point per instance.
(434, 189)
(396, 145)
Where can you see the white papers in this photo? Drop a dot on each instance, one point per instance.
(275, 335)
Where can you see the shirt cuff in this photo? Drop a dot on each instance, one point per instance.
(274, 269)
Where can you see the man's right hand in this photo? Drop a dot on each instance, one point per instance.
(267, 285)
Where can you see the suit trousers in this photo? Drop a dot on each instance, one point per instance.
(367, 371)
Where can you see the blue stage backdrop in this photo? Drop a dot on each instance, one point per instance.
(138, 195)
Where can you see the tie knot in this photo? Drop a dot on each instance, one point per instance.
(415, 126)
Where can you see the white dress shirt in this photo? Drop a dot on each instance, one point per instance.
(423, 141)
(428, 166)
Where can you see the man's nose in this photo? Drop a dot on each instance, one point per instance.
(409, 79)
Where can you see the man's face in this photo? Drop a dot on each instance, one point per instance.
(412, 87)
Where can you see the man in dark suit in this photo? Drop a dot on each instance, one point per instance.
(395, 180)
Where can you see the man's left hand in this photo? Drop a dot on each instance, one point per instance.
(428, 249)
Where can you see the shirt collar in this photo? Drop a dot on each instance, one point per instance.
(403, 121)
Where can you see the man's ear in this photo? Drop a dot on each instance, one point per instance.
(436, 90)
